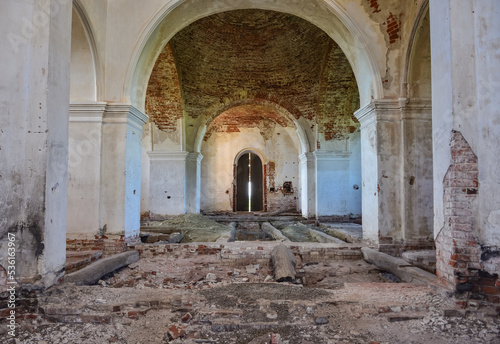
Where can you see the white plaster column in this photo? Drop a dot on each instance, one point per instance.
(167, 183)
(121, 170)
(193, 182)
(84, 169)
(381, 154)
(416, 119)
(34, 107)
(465, 37)
(307, 170)
(332, 174)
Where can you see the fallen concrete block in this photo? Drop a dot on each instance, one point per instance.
(397, 266)
(273, 232)
(283, 264)
(348, 232)
(324, 238)
(93, 272)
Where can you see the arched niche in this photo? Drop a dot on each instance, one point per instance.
(85, 75)
(417, 77)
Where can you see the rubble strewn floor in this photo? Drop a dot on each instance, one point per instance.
(163, 299)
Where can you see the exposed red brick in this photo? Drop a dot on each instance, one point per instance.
(175, 331)
(339, 97)
(270, 54)
(100, 243)
(247, 116)
(163, 97)
(187, 317)
(374, 4)
(133, 314)
(393, 26)
(489, 290)
(459, 265)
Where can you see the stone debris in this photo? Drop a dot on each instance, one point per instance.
(211, 277)
(321, 320)
(175, 238)
(185, 300)
(175, 331)
(187, 317)
(252, 269)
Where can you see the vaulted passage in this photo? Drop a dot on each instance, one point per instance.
(249, 183)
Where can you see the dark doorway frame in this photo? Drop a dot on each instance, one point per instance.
(240, 177)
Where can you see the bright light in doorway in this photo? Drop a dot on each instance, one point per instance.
(249, 182)
(249, 196)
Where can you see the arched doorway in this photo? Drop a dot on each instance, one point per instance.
(249, 183)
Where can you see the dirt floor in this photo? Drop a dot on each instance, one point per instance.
(166, 300)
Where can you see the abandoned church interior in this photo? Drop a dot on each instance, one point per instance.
(250, 171)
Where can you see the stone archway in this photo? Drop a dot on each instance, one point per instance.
(195, 123)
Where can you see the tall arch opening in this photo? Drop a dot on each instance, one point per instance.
(270, 81)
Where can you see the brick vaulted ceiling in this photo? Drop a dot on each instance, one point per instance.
(254, 54)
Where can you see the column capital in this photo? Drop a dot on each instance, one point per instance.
(87, 112)
(416, 109)
(385, 110)
(305, 157)
(125, 113)
(194, 157)
(167, 155)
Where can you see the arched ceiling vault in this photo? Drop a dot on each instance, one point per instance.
(239, 54)
(246, 51)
